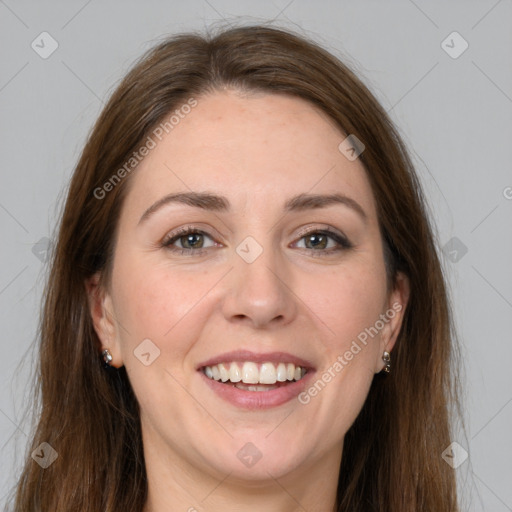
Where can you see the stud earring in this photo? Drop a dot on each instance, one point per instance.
(386, 357)
(107, 356)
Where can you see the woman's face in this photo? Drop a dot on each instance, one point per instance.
(248, 249)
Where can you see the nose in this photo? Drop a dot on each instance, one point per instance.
(259, 293)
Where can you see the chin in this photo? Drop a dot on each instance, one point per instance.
(257, 458)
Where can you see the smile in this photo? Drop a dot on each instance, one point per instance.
(256, 381)
(251, 376)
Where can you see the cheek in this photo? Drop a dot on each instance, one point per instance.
(349, 305)
(163, 305)
(349, 302)
(160, 303)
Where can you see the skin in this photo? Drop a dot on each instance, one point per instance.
(257, 150)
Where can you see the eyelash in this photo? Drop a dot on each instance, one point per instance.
(173, 237)
(342, 241)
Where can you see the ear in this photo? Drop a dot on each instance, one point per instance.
(393, 317)
(102, 315)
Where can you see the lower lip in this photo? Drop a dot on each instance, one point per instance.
(258, 399)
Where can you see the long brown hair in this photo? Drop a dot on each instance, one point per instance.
(89, 414)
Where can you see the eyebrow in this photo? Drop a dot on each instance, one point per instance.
(216, 203)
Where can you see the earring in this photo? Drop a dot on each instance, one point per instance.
(107, 356)
(386, 357)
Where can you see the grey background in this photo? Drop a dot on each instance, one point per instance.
(454, 113)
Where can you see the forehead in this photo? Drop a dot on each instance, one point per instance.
(257, 149)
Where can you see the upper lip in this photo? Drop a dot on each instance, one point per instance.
(266, 357)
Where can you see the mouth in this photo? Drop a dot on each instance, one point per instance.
(254, 377)
(256, 381)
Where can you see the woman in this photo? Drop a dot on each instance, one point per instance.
(245, 310)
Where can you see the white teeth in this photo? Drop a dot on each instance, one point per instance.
(235, 375)
(282, 374)
(268, 373)
(251, 373)
(252, 387)
(224, 374)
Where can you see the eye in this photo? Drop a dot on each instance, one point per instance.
(193, 241)
(188, 240)
(324, 241)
